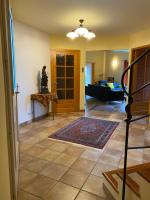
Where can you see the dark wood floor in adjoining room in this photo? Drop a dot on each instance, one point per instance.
(53, 170)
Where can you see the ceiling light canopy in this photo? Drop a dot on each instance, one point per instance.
(81, 32)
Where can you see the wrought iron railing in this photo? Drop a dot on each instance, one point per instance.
(129, 119)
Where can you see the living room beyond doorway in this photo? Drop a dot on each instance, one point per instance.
(103, 71)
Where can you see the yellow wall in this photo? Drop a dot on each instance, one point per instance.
(140, 38)
(117, 71)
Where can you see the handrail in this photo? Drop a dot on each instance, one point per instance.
(129, 114)
(130, 67)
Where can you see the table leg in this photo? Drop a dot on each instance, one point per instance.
(48, 110)
(53, 110)
(33, 110)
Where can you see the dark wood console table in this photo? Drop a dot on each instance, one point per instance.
(44, 99)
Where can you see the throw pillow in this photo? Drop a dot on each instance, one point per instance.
(111, 85)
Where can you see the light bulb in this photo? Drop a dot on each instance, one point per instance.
(81, 31)
(72, 35)
(89, 35)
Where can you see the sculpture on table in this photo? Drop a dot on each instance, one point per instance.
(44, 81)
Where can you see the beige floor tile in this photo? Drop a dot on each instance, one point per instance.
(74, 178)
(83, 165)
(26, 196)
(32, 140)
(94, 185)
(25, 177)
(113, 152)
(108, 158)
(59, 146)
(74, 151)
(35, 151)
(87, 196)
(146, 158)
(54, 171)
(49, 155)
(101, 167)
(34, 137)
(24, 159)
(130, 162)
(92, 155)
(36, 165)
(65, 159)
(45, 143)
(62, 191)
(25, 147)
(40, 186)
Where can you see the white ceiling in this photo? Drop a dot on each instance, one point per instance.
(104, 17)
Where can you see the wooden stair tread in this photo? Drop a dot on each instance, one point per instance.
(142, 169)
(145, 174)
(131, 183)
(111, 179)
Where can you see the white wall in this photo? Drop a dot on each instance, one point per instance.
(96, 57)
(32, 53)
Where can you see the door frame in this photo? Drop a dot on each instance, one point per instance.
(8, 92)
(53, 84)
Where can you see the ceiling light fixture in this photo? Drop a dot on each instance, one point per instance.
(81, 32)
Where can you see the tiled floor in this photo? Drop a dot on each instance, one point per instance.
(56, 170)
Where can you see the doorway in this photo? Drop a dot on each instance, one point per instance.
(103, 89)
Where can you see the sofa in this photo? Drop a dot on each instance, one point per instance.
(104, 93)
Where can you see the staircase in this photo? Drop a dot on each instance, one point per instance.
(137, 183)
(130, 183)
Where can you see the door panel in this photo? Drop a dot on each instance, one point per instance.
(141, 76)
(65, 73)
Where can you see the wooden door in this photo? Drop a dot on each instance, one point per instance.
(141, 76)
(65, 76)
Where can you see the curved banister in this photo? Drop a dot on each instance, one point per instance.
(128, 68)
(129, 114)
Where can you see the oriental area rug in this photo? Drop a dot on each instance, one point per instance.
(87, 131)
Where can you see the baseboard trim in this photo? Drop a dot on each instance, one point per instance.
(36, 119)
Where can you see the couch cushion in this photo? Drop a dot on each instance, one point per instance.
(116, 85)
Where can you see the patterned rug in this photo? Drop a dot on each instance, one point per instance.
(87, 131)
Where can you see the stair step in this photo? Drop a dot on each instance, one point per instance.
(145, 174)
(109, 177)
(135, 177)
(131, 183)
